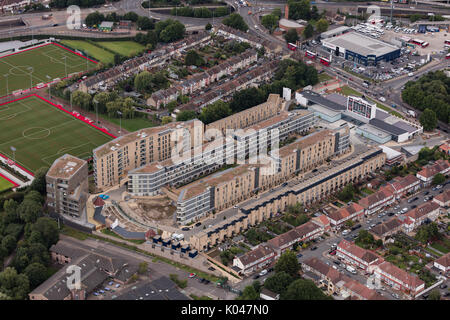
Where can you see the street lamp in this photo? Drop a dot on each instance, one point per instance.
(65, 64)
(49, 87)
(96, 108)
(14, 153)
(6, 76)
(31, 76)
(120, 114)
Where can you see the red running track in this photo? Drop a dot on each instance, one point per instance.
(9, 180)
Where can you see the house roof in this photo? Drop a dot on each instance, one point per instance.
(345, 212)
(444, 260)
(363, 254)
(387, 226)
(401, 183)
(260, 252)
(411, 280)
(443, 197)
(432, 170)
(98, 202)
(382, 194)
(422, 210)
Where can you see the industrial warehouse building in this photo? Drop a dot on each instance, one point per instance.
(356, 47)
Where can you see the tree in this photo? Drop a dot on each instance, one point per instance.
(278, 282)
(270, 21)
(13, 284)
(439, 178)
(143, 267)
(304, 290)
(429, 232)
(48, 230)
(94, 18)
(291, 36)
(208, 26)
(143, 82)
(186, 115)
(34, 196)
(249, 293)
(235, 21)
(434, 295)
(277, 12)
(215, 111)
(10, 215)
(9, 243)
(166, 120)
(247, 98)
(428, 119)
(144, 23)
(193, 58)
(308, 31)
(39, 184)
(322, 25)
(29, 210)
(132, 16)
(82, 99)
(36, 273)
(288, 263)
(170, 30)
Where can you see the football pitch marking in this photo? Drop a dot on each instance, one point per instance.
(48, 159)
(46, 132)
(13, 115)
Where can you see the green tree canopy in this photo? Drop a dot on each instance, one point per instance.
(428, 120)
(308, 31)
(186, 115)
(215, 111)
(279, 282)
(439, 178)
(291, 36)
(288, 263)
(270, 21)
(36, 274)
(235, 21)
(14, 285)
(322, 25)
(302, 289)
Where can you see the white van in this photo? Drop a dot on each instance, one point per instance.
(351, 269)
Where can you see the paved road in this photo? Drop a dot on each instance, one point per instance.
(157, 269)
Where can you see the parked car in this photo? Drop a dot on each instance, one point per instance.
(313, 248)
(263, 273)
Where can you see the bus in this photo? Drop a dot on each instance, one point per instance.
(324, 61)
(292, 46)
(447, 56)
(421, 43)
(447, 42)
(310, 54)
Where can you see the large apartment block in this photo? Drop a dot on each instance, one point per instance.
(148, 180)
(307, 189)
(227, 188)
(67, 186)
(113, 160)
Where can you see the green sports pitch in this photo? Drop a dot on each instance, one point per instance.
(41, 133)
(5, 184)
(42, 64)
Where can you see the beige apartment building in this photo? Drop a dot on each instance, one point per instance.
(67, 186)
(113, 160)
(251, 116)
(312, 187)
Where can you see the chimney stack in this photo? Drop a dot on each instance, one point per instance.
(286, 11)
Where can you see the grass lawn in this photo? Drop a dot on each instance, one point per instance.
(43, 64)
(367, 191)
(437, 246)
(5, 184)
(112, 233)
(125, 48)
(129, 124)
(324, 77)
(91, 50)
(42, 133)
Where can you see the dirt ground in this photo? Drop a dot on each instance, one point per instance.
(159, 210)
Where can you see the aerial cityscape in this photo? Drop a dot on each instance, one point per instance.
(187, 150)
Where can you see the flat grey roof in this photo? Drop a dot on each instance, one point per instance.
(332, 32)
(329, 112)
(403, 125)
(338, 98)
(361, 44)
(373, 130)
(387, 127)
(318, 99)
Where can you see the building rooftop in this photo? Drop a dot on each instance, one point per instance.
(361, 44)
(331, 33)
(323, 101)
(65, 167)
